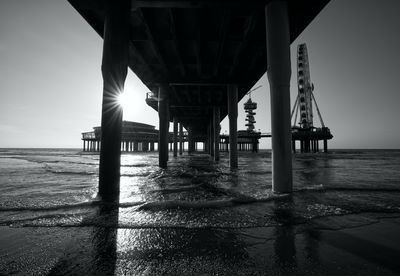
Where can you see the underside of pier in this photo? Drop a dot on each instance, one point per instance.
(198, 59)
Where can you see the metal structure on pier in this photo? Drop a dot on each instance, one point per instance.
(305, 132)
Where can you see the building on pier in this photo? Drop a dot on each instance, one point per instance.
(135, 137)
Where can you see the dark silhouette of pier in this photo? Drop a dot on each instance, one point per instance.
(198, 59)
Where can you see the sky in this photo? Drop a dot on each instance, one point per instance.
(51, 84)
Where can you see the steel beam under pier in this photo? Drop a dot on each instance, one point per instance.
(233, 114)
(114, 70)
(163, 114)
(279, 72)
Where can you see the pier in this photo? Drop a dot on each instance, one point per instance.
(198, 59)
(139, 137)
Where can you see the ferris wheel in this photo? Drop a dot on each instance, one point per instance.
(305, 97)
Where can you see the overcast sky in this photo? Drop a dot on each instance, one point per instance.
(51, 85)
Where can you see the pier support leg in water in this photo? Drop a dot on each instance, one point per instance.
(180, 139)
(114, 70)
(190, 140)
(211, 137)
(163, 115)
(175, 137)
(216, 132)
(279, 72)
(233, 114)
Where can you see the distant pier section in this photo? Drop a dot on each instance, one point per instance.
(143, 137)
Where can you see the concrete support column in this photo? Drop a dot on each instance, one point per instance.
(151, 146)
(114, 70)
(211, 137)
(84, 142)
(163, 114)
(233, 114)
(180, 139)
(175, 137)
(279, 72)
(325, 145)
(216, 121)
(190, 140)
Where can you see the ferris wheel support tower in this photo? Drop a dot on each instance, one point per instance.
(305, 132)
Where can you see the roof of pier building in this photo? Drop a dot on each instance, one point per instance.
(130, 131)
(197, 47)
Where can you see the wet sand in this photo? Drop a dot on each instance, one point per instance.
(321, 247)
(200, 218)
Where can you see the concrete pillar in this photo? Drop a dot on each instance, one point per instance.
(175, 137)
(83, 148)
(279, 72)
(114, 69)
(190, 141)
(163, 114)
(325, 145)
(180, 139)
(212, 147)
(216, 121)
(233, 113)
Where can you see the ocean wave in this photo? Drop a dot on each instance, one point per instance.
(218, 203)
(323, 188)
(50, 208)
(61, 171)
(141, 165)
(136, 174)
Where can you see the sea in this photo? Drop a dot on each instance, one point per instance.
(194, 218)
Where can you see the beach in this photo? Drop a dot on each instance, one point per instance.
(198, 217)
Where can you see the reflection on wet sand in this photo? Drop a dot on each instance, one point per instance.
(284, 245)
(92, 252)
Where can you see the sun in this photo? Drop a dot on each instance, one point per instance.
(123, 100)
